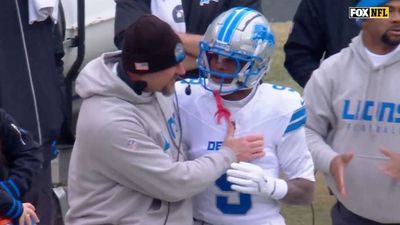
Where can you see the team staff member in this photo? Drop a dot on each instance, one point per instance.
(189, 18)
(127, 165)
(32, 88)
(320, 29)
(352, 102)
(232, 66)
(20, 161)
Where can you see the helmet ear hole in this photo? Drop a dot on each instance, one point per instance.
(241, 35)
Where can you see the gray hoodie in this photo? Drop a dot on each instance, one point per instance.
(354, 107)
(125, 166)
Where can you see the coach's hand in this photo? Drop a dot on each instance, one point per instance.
(28, 215)
(391, 167)
(338, 164)
(251, 179)
(245, 148)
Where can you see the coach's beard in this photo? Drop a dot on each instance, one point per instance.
(169, 89)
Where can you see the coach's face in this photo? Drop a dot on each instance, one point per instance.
(383, 35)
(164, 81)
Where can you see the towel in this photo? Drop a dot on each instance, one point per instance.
(40, 10)
(171, 12)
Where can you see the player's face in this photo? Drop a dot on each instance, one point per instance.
(385, 32)
(164, 81)
(222, 64)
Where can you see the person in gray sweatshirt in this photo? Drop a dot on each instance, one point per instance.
(128, 162)
(353, 106)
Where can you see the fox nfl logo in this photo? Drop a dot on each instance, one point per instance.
(368, 12)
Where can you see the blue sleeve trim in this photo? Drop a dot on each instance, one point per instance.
(298, 113)
(5, 188)
(18, 212)
(12, 209)
(296, 125)
(15, 187)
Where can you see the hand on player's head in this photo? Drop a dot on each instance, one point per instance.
(245, 148)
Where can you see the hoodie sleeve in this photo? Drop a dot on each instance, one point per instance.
(320, 118)
(142, 165)
(22, 155)
(306, 43)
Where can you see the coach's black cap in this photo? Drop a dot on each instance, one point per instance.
(150, 45)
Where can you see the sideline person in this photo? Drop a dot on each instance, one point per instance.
(352, 102)
(233, 59)
(128, 162)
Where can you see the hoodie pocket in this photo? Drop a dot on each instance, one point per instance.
(157, 212)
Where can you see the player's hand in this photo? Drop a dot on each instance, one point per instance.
(337, 167)
(251, 179)
(245, 148)
(392, 166)
(28, 215)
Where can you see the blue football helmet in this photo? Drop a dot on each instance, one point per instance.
(242, 38)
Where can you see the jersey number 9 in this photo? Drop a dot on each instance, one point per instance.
(222, 201)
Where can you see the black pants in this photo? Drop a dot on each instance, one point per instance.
(342, 216)
(40, 195)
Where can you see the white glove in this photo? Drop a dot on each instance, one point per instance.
(251, 179)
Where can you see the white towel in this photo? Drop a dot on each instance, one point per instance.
(171, 12)
(40, 10)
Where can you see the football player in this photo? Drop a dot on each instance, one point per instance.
(235, 53)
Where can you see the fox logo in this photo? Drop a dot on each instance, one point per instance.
(368, 12)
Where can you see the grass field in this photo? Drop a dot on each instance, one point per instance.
(297, 215)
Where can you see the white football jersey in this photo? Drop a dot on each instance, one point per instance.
(276, 112)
